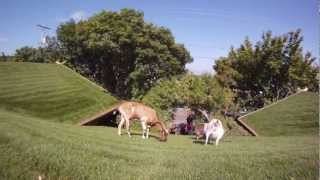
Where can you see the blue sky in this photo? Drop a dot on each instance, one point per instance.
(207, 28)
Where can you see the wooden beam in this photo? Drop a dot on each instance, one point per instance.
(100, 114)
(247, 127)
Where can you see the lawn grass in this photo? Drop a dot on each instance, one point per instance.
(35, 98)
(50, 91)
(297, 115)
(30, 147)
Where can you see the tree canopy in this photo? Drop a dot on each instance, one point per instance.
(122, 52)
(267, 71)
(45, 54)
(130, 57)
(3, 57)
(197, 92)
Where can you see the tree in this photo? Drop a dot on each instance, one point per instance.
(202, 93)
(122, 52)
(48, 54)
(268, 71)
(3, 57)
(28, 54)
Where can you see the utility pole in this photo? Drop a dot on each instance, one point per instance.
(44, 31)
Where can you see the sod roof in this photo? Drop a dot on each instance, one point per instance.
(50, 91)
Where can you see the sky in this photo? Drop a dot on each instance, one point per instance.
(207, 28)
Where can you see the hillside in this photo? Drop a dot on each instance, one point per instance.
(30, 147)
(34, 98)
(50, 91)
(297, 115)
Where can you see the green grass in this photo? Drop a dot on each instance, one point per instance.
(31, 146)
(50, 91)
(35, 98)
(297, 115)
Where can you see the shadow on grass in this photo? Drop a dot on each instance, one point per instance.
(199, 142)
(140, 134)
(202, 140)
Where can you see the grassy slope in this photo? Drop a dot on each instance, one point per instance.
(34, 97)
(30, 147)
(49, 91)
(298, 115)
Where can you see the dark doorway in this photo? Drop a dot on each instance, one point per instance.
(109, 119)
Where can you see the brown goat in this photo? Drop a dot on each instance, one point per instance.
(146, 115)
(199, 130)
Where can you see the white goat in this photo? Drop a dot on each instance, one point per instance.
(213, 129)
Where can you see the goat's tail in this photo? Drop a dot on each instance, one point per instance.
(115, 112)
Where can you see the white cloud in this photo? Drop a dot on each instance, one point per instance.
(3, 40)
(78, 15)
